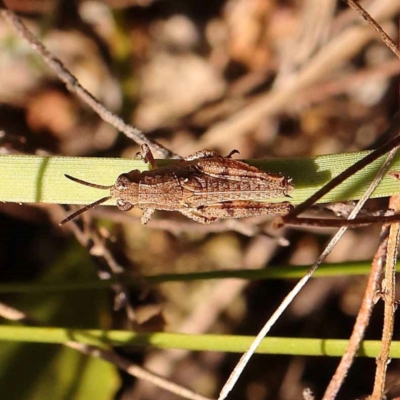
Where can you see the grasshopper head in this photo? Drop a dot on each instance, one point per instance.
(126, 190)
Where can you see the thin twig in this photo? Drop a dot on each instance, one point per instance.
(393, 242)
(389, 296)
(110, 356)
(338, 222)
(74, 86)
(383, 35)
(362, 320)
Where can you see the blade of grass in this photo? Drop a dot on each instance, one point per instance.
(29, 179)
(273, 272)
(221, 343)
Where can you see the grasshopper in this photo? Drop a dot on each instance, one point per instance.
(204, 187)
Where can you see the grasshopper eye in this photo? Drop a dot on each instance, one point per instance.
(122, 182)
(124, 205)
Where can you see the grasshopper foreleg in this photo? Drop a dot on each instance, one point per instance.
(146, 155)
(146, 216)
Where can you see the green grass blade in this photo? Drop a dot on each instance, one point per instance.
(29, 179)
(222, 343)
(272, 272)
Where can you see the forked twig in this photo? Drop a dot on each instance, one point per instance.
(12, 314)
(74, 86)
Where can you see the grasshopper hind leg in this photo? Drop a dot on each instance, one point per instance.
(240, 209)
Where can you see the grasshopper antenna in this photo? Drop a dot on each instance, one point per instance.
(83, 209)
(89, 206)
(93, 185)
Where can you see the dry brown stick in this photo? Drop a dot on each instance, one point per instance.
(389, 296)
(75, 87)
(120, 362)
(362, 320)
(384, 37)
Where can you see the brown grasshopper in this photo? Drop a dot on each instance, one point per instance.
(204, 187)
